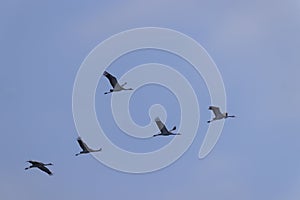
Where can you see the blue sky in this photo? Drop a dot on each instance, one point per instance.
(255, 46)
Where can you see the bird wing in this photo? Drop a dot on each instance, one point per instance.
(161, 125)
(82, 144)
(113, 81)
(45, 169)
(216, 110)
(34, 162)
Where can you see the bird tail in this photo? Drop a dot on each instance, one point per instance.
(173, 129)
(123, 84)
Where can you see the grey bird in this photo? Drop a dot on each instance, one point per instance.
(114, 83)
(85, 148)
(163, 130)
(218, 114)
(39, 165)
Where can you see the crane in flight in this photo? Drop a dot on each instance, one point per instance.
(85, 148)
(163, 130)
(114, 83)
(39, 165)
(218, 114)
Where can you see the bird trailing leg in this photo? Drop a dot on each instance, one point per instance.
(125, 88)
(231, 116)
(173, 129)
(97, 150)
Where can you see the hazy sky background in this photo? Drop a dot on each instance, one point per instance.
(255, 46)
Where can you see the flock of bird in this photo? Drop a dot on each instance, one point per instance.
(116, 87)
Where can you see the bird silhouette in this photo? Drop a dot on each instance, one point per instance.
(39, 165)
(114, 83)
(218, 114)
(85, 148)
(163, 130)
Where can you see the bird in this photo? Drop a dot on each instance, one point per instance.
(163, 129)
(85, 148)
(114, 83)
(218, 114)
(39, 165)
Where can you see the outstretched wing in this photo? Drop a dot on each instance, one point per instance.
(161, 125)
(113, 81)
(216, 111)
(34, 162)
(82, 144)
(45, 169)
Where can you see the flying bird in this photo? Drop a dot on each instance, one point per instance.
(85, 148)
(39, 165)
(163, 129)
(218, 114)
(114, 83)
